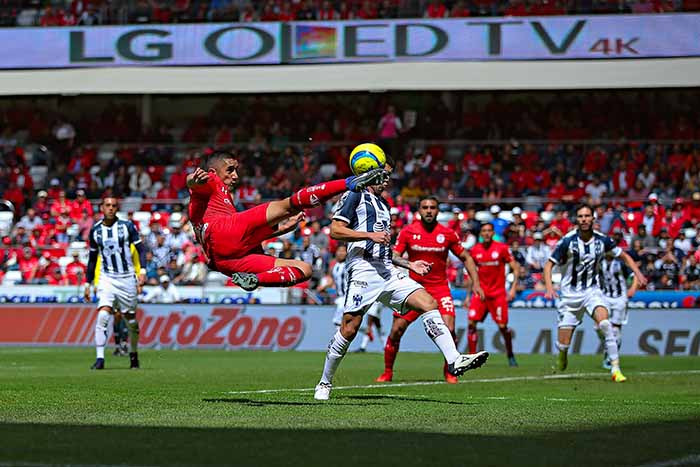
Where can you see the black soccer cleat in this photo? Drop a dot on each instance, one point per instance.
(245, 280)
(134, 357)
(358, 183)
(467, 362)
(99, 364)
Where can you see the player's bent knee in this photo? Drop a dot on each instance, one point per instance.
(604, 325)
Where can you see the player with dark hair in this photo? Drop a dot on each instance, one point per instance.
(113, 266)
(231, 240)
(429, 241)
(579, 255)
(491, 257)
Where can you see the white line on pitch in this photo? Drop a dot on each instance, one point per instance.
(480, 380)
(693, 459)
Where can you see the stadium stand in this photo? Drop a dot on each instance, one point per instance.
(493, 159)
(96, 12)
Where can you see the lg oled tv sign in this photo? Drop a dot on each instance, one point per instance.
(528, 38)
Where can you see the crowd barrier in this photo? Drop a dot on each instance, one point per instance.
(308, 328)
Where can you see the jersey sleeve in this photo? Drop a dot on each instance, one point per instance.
(559, 255)
(93, 243)
(401, 242)
(347, 207)
(610, 245)
(134, 237)
(455, 245)
(507, 254)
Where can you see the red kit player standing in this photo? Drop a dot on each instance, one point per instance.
(491, 258)
(429, 241)
(231, 240)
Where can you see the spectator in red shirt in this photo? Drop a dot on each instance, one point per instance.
(57, 278)
(15, 195)
(516, 8)
(327, 12)
(368, 11)
(436, 9)
(460, 10)
(692, 209)
(595, 161)
(286, 13)
(28, 265)
(50, 17)
(76, 270)
(47, 266)
(79, 205)
(61, 205)
(42, 205)
(268, 12)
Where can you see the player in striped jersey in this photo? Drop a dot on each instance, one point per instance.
(113, 270)
(615, 275)
(579, 255)
(362, 219)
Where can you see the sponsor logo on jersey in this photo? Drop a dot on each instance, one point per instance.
(416, 236)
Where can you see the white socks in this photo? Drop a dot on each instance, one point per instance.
(101, 332)
(610, 343)
(336, 351)
(437, 330)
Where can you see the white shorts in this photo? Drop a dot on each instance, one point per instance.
(118, 293)
(364, 289)
(617, 307)
(571, 307)
(375, 310)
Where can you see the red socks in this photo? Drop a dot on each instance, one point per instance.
(312, 196)
(281, 276)
(508, 339)
(390, 351)
(472, 338)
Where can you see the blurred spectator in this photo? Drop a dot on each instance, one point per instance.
(436, 9)
(28, 265)
(311, 254)
(151, 268)
(61, 205)
(161, 251)
(80, 206)
(30, 221)
(165, 292)
(56, 277)
(318, 237)
(537, 254)
(646, 240)
(140, 182)
(176, 238)
(76, 270)
(194, 272)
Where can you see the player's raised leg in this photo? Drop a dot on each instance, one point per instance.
(255, 270)
(434, 326)
(600, 315)
(337, 348)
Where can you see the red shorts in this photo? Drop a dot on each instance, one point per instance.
(496, 305)
(230, 240)
(446, 306)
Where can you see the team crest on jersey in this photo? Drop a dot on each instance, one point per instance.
(440, 238)
(494, 255)
(357, 300)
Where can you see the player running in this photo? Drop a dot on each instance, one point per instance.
(431, 242)
(491, 258)
(615, 274)
(231, 240)
(579, 255)
(113, 269)
(363, 220)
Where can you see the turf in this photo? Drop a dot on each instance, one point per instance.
(193, 407)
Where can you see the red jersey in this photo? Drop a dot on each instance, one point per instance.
(208, 203)
(431, 246)
(491, 263)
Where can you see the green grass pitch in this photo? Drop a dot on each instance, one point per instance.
(208, 407)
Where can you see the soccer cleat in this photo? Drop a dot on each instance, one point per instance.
(385, 377)
(361, 350)
(323, 391)
(99, 364)
(512, 362)
(606, 364)
(467, 362)
(373, 177)
(245, 280)
(618, 377)
(117, 352)
(562, 361)
(450, 379)
(134, 357)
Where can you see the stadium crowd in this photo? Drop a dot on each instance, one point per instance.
(95, 12)
(647, 194)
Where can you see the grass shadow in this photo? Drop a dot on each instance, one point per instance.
(403, 398)
(263, 403)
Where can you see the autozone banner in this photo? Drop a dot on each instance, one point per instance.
(521, 38)
(662, 332)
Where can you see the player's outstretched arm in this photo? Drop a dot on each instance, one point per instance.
(549, 287)
(341, 232)
(473, 273)
(642, 281)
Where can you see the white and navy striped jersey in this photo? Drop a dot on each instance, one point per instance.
(366, 212)
(340, 278)
(579, 262)
(615, 274)
(113, 244)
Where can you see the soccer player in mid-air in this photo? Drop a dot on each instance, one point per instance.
(491, 257)
(616, 292)
(579, 255)
(362, 220)
(431, 242)
(231, 240)
(113, 269)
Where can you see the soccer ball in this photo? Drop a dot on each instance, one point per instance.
(365, 157)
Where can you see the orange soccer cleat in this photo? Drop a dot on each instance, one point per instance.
(385, 377)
